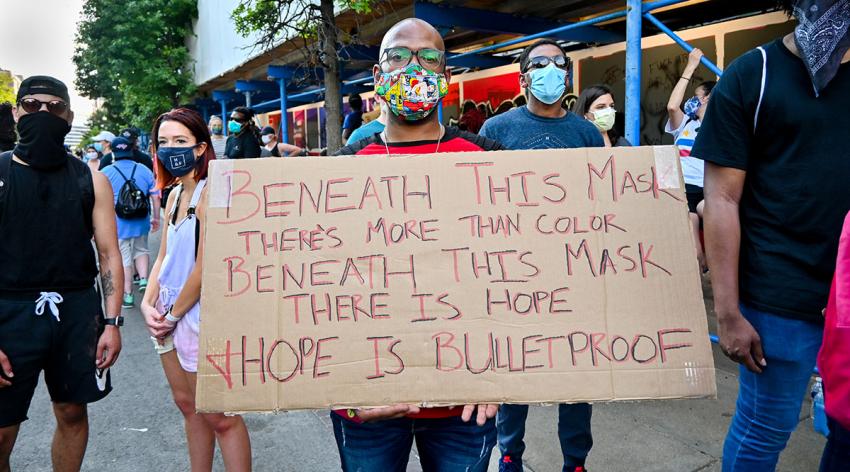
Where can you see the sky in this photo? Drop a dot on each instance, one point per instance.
(37, 38)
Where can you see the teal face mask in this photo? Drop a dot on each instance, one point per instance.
(548, 84)
(234, 127)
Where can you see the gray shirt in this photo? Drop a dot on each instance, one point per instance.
(518, 128)
(218, 146)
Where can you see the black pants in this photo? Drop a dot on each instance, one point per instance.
(694, 194)
(64, 349)
(836, 454)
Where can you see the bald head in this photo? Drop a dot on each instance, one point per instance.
(414, 34)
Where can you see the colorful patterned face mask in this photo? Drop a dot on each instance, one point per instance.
(412, 92)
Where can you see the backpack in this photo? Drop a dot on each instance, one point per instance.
(132, 203)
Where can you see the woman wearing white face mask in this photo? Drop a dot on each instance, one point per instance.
(273, 148)
(596, 105)
(92, 158)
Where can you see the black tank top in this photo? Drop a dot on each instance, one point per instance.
(46, 229)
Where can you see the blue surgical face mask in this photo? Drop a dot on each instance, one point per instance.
(98, 147)
(548, 84)
(692, 106)
(178, 161)
(234, 127)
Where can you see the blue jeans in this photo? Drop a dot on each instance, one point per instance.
(444, 444)
(836, 454)
(573, 431)
(768, 407)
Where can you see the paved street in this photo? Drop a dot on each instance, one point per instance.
(138, 428)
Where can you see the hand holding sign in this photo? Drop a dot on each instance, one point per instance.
(387, 412)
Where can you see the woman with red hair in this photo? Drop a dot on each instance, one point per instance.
(171, 306)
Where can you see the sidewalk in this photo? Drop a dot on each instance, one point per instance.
(138, 428)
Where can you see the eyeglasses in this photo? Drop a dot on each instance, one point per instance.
(540, 62)
(238, 119)
(32, 105)
(398, 57)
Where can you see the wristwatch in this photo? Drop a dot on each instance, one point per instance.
(116, 321)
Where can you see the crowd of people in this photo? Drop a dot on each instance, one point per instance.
(765, 171)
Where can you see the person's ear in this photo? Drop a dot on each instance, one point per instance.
(15, 113)
(376, 73)
(70, 117)
(523, 81)
(448, 74)
(200, 150)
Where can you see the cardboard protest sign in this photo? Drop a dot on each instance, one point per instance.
(517, 276)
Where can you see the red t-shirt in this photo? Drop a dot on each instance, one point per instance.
(454, 140)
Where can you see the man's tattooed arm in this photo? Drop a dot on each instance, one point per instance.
(106, 240)
(108, 285)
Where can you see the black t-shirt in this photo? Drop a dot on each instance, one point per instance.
(46, 229)
(242, 146)
(139, 157)
(797, 188)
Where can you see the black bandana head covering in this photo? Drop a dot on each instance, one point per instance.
(822, 37)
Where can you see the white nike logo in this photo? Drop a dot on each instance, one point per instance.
(100, 375)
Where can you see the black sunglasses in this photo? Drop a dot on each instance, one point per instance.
(539, 62)
(32, 105)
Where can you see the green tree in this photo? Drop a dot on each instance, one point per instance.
(7, 92)
(313, 25)
(131, 57)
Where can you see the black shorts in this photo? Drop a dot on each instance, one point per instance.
(65, 350)
(694, 195)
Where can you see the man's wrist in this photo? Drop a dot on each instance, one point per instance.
(727, 312)
(114, 320)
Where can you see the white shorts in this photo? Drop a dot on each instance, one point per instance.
(166, 346)
(133, 248)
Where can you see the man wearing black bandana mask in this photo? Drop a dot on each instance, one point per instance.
(51, 206)
(777, 164)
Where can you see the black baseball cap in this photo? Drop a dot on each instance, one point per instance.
(121, 148)
(43, 84)
(267, 130)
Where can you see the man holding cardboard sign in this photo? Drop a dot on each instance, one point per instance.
(412, 78)
(422, 276)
